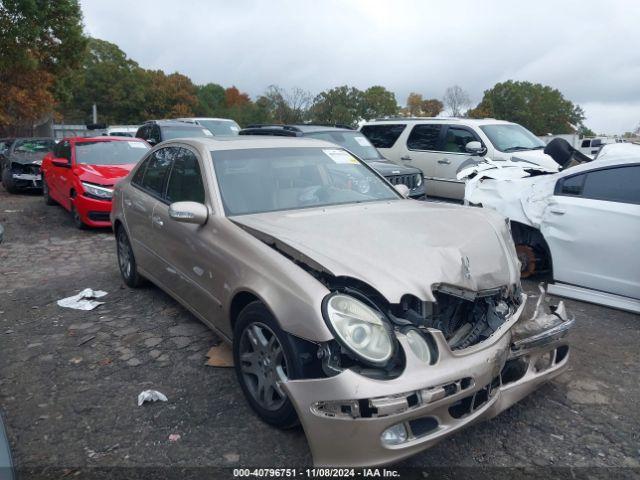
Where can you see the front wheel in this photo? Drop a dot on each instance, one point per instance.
(126, 260)
(527, 256)
(263, 360)
(7, 180)
(45, 193)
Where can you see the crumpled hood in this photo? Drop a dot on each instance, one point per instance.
(103, 174)
(387, 169)
(538, 157)
(398, 247)
(26, 158)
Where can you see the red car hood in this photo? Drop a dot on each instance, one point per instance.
(103, 174)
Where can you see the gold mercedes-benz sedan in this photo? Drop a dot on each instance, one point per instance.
(379, 323)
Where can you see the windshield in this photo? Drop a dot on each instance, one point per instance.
(31, 146)
(511, 138)
(221, 128)
(110, 153)
(169, 133)
(270, 179)
(353, 141)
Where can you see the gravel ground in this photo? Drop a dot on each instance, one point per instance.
(69, 380)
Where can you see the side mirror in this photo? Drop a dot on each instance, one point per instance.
(475, 148)
(152, 141)
(61, 162)
(188, 212)
(402, 189)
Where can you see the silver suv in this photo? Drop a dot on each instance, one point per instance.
(438, 146)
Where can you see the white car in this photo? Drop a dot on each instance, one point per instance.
(438, 146)
(582, 224)
(219, 127)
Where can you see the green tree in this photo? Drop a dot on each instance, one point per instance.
(210, 100)
(39, 40)
(377, 101)
(539, 108)
(338, 105)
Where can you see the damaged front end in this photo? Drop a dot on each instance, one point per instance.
(465, 357)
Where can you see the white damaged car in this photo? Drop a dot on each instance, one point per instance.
(581, 224)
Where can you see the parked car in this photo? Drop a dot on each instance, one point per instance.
(156, 131)
(438, 146)
(581, 224)
(381, 324)
(81, 171)
(219, 127)
(5, 143)
(357, 144)
(121, 131)
(20, 168)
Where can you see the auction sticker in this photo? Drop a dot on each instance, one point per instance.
(339, 156)
(362, 141)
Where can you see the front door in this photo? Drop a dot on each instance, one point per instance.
(59, 178)
(591, 228)
(453, 154)
(422, 152)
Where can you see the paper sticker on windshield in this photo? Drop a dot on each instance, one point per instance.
(234, 128)
(208, 133)
(339, 156)
(362, 141)
(137, 145)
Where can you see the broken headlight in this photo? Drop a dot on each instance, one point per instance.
(359, 328)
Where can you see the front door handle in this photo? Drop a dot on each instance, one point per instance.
(157, 220)
(444, 161)
(127, 202)
(557, 211)
(406, 157)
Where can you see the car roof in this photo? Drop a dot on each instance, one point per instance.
(462, 121)
(251, 141)
(105, 138)
(173, 123)
(300, 128)
(187, 119)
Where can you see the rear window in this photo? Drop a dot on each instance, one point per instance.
(424, 137)
(383, 136)
(169, 133)
(110, 153)
(221, 128)
(32, 145)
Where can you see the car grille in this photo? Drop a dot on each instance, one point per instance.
(408, 180)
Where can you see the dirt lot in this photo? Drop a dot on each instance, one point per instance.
(69, 380)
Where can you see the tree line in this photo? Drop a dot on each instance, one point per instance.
(48, 65)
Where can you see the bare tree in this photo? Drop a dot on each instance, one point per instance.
(287, 106)
(456, 100)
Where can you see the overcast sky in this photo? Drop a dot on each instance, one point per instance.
(589, 50)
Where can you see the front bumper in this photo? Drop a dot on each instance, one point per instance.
(26, 176)
(430, 401)
(93, 212)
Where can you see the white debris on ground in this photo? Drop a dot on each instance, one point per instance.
(83, 300)
(151, 396)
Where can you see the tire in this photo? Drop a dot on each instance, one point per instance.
(7, 180)
(126, 260)
(262, 354)
(77, 221)
(45, 193)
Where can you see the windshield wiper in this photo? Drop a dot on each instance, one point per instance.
(517, 148)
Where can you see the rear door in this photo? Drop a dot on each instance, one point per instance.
(147, 188)
(386, 138)
(421, 151)
(592, 228)
(452, 156)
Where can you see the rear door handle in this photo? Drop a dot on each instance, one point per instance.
(444, 161)
(127, 202)
(557, 211)
(157, 220)
(406, 157)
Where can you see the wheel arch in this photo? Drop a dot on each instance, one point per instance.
(527, 235)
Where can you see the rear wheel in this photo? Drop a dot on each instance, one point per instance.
(126, 260)
(45, 193)
(7, 180)
(264, 359)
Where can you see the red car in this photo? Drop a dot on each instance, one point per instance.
(80, 174)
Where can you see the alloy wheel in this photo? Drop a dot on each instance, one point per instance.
(263, 365)
(124, 254)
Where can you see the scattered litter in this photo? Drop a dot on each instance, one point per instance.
(8, 332)
(151, 396)
(76, 360)
(220, 356)
(85, 339)
(104, 362)
(106, 451)
(231, 457)
(174, 437)
(11, 211)
(83, 300)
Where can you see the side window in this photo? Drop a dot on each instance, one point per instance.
(156, 172)
(570, 185)
(137, 177)
(457, 139)
(143, 132)
(155, 133)
(586, 144)
(383, 136)
(62, 150)
(185, 179)
(424, 137)
(617, 184)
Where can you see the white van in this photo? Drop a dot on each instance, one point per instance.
(438, 146)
